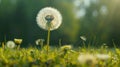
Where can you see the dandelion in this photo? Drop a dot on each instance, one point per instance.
(103, 56)
(87, 59)
(83, 38)
(10, 44)
(3, 45)
(18, 42)
(49, 17)
(39, 41)
(66, 47)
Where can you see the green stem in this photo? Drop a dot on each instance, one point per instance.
(84, 44)
(18, 47)
(41, 46)
(5, 39)
(59, 42)
(48, 39)
(3, 45)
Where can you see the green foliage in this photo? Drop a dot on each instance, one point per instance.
(102, 26)
(57, 57)
(70, 26)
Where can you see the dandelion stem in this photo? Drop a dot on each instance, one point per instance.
(3, 45)
(59, 42)
(84, 44)
(41, 46)
(48, 39)
(18, 47)
(4, 39)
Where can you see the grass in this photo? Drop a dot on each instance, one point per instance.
(64, 56)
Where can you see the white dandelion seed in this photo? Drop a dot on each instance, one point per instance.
(83, 38)
(18, 41)
(39, 41)
(10, 44)
(66, 47)
(87, 59)
(49, 18)
(103, 56)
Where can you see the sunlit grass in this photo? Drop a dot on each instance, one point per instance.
(64, 56)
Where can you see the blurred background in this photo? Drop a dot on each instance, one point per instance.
(97, 20)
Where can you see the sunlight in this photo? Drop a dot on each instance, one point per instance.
(77, 3)
(81, 12)
(95, 1)
(87, 3)
(103, 10)
(112, 8)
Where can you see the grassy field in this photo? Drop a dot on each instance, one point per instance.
(64, 56)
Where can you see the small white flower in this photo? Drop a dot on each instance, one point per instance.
(87, 59)
(103, 56)
(10, 44)
(18, 41)
(66, 47)
(83, 38)
(49, 18)
(39, 41)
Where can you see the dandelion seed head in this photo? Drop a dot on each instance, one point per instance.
(49, 17)
(39, 41)
(18, 41)
(66, 47)
(103, 56)
(87, 59)
(10, 44)
(83, 38)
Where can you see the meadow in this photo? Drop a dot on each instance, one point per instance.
(95, 21)
(62, 56)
